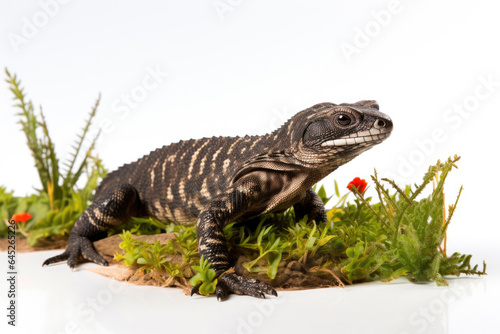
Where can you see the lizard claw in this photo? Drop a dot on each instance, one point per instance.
(195, 290)
(221, 291)
(240, 285)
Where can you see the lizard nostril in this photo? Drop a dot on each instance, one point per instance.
(379, 124)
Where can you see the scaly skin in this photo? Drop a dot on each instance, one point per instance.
(219, 180)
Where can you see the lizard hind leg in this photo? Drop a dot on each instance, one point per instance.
(109, 210)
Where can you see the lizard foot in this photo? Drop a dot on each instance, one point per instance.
(78, 246)
(231, 282)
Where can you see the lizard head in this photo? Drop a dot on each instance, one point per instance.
(321, 138)
(332, 134)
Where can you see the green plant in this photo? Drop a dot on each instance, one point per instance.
(417, 228)
(59, 202)
(151, 257)
(270, 248)
(362, 261)
(205, 278)
(186, 238)
(306, 239)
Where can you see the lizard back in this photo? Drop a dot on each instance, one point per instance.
(176, 181)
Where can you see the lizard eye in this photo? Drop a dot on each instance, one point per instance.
(343, 120)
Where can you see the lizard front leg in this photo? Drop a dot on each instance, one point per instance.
(312, 206)
(224, 209)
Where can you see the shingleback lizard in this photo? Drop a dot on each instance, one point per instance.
(219, 180)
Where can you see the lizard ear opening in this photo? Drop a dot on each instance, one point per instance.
(315, 132)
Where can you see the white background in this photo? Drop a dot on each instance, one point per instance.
(243, 67)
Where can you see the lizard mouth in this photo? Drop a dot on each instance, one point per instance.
(370, 137)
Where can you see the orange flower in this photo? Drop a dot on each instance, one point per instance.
(358, 183)
(22, 217)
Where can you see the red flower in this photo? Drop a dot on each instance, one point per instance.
(22, 217)
(358, 183)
